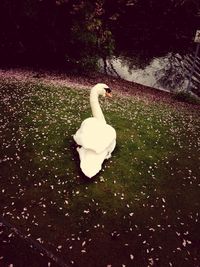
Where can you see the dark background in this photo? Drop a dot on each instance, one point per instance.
(75, 34)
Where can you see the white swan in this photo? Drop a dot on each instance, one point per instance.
(95, 137)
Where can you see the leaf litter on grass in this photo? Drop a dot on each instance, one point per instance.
(142, 208)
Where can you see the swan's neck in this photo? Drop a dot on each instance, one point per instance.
(96, 109)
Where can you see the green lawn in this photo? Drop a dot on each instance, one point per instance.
(141, 210)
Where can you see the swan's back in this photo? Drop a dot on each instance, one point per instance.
(95, 135)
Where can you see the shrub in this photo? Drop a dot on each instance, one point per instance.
(187, 97)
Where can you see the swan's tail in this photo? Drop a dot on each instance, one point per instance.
(90, 161)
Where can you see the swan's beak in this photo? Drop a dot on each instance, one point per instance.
(108, 94)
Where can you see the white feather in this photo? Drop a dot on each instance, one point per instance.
(95, 135)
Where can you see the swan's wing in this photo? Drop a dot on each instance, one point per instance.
(95, 135)
(90, 161)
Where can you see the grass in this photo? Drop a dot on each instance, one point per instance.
(142, 209)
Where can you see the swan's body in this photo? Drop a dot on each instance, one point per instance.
(95, 137)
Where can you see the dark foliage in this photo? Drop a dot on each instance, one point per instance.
(187, 97)
(152, 28)
(76, 33)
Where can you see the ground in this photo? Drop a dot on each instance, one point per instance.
(142, 209)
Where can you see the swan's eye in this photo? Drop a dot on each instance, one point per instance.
(108, 90)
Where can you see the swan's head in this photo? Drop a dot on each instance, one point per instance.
(102, 89)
